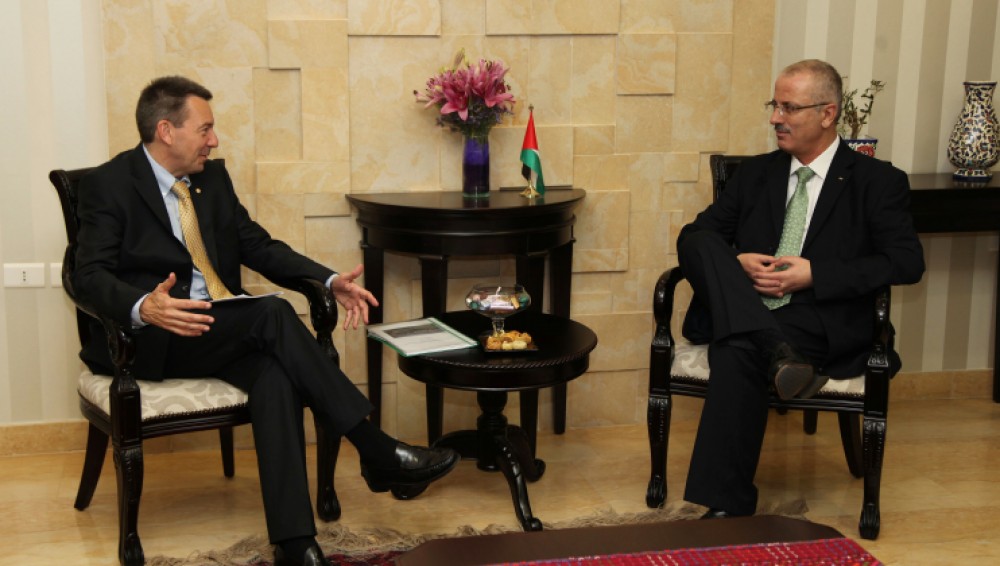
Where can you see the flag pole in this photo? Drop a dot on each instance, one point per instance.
(530, 192)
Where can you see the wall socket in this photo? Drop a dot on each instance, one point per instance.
(24, 275)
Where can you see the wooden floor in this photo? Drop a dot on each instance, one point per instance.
(940, 490)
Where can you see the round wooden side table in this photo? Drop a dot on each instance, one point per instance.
(563, 354)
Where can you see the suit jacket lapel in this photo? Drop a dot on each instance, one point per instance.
(144, 183)
(836, 180)
(777, 193)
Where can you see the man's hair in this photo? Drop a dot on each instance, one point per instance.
(827, 84)
(165, 99)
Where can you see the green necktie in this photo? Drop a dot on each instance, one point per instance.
(794, 230)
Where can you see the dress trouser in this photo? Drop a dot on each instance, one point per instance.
(734, 416)
(262, 347)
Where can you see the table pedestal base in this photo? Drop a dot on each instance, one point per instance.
(496, 445)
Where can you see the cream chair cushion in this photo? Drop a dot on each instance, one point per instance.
(691, 364)
(167, 397)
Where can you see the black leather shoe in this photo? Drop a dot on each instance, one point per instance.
(415, 466)
(714, 513)
(312, 557)
(792, 375)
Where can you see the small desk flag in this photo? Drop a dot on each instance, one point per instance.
(532, 162)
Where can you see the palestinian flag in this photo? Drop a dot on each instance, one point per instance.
(532, 162)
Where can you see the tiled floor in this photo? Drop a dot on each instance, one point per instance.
(940, 490)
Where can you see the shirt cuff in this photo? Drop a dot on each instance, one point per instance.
(137, 321)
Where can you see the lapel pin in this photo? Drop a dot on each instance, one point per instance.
(197, 190)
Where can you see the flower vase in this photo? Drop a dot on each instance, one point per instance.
(972, 147)
(476, 168)
(863, 145)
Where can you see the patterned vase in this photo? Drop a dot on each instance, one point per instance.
(973, 147)
(476, 168)
(863, 145)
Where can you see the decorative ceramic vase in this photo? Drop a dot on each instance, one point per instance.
(863, 145)
(973, 147)
(476, 168)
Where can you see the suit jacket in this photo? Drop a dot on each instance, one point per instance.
(860, 238)
(126, 248)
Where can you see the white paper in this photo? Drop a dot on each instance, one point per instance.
(422, 336)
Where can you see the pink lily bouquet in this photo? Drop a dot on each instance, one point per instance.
(472, 97)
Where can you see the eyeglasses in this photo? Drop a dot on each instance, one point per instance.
(786, 109)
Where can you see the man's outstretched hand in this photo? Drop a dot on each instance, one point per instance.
(174, 315)
(353, 297)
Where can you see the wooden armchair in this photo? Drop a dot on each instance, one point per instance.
(130, 410)
(861, 403)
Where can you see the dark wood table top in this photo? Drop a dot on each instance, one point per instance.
(600, 541)
(563, 353)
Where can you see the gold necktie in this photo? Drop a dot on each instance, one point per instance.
(195, 245)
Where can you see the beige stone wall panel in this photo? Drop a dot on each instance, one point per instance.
(233, 109)
(593, 85)
(602, 232)
(549, 79)
(602, 172)
(299, 44)
(749, 131)
(282, 216)
(297, 177)
(700, 16)
(218, 33)
(646, 63)
(277, 114)
(462, 17)
(649, 16)
(307, 9)
(632, 290)
(326, 118)
(394, 17)
(681, 167)
(701, 105)
(591, 293)
(594, 140)
(552, 17)
(623, 341)
(650, 241)
(129, 56)
(395, 144)
(643, 124)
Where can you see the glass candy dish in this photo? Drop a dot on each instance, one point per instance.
(497, 302)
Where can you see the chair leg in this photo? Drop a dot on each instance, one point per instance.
(874, 450)
(129, 468)
(850, 436)
(658, 425)
(327, 451)
(226, 444)
(809, 421)
(93, 462)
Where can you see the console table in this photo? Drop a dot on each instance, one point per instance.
(438, 225)
(941, 204)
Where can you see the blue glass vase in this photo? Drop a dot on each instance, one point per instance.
(476, 168)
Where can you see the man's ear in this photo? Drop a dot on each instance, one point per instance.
(829, 116)
(165, 131)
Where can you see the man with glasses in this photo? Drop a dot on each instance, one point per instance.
(784, 267)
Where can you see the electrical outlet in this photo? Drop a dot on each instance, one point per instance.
(24, 275)
(55, 274)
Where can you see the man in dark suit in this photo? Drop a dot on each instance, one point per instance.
(784, 268)
(138, 262)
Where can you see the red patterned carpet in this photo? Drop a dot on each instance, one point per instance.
(827, 552)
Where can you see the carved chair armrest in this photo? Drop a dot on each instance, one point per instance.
(878, 371)
(322, 310)
(663, 306)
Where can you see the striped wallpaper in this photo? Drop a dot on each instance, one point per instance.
(923, 50)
